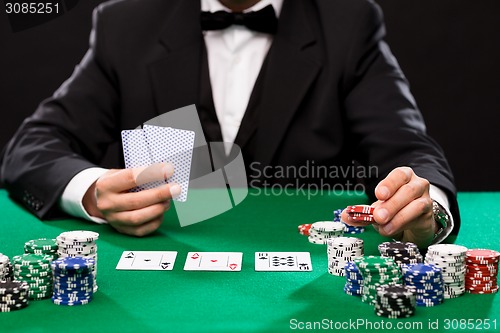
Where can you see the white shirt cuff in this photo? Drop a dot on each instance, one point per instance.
(438, 195)
(71, 200)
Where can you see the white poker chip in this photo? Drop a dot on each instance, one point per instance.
(79, 236)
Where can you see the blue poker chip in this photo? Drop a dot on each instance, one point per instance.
(70, 302)
(421, 269)
(72, 264)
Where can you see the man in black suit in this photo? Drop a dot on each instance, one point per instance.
(317, 84)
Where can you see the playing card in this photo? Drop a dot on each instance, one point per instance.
(283, 261)
(214, 261)
(147, 260)
(136, 154)
(175, 146)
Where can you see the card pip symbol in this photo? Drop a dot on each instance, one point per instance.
(165, 265)
(130, 255)
(233, 266)
(213, 260)
(303, 266)
(195, 256)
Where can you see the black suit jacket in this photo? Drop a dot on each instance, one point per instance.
(330, 92)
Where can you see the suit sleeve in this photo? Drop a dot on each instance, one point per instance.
(68, 133)
(387, 129)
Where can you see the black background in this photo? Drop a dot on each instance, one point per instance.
(448, 49)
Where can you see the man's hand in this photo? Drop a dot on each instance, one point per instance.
(132, 213)
(404, 208)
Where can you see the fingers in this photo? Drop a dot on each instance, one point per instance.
(126, 179)
(135, 213)
(411, 187)
(394, 180)
(136, 200)
(416, 216)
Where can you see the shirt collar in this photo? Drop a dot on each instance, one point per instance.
(215, 5)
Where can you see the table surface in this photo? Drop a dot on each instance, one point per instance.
(246, 301)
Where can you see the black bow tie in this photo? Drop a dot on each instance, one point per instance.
(263, 20)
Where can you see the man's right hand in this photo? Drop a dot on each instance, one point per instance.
(132, 213)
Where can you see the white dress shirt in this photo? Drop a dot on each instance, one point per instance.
(235, 57)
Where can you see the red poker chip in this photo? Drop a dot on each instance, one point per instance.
(481, 286)
(364, 219)
(362, 209)
(304, 229)
(480, 283)
(486, 268)
(482, 254)
(481, 278)
(492, 291)
(481, 262)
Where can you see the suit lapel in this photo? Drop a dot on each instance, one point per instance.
(291, 67)
(175, 77)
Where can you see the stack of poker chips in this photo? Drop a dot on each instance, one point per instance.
(322, 231)
(79, 243)
(73, 281)
(348, 229)
(482, 271)
(401, 252)
(353, 280)
(13, 295)
(42, 246)
(376, 271)
(451, 259)
(361, 213)
(395, 301)
(5, 268)
(34, 269)
(342, 250)
(304, 229)
(427, 279)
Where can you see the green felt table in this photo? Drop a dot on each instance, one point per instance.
(246, 301)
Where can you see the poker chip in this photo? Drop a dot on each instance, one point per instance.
(395, 301)
(42, 246)
(426, 279)
(376, 271)
(304, 229)
(79, 244)
(481, 271)
(73, 281)
(340, 251)
(353, 279)
(401, 252)
(450, 258)
(14, 295)
(34, 270)
(321, 231)
(361, 213)
(5, 268)
(348, 229)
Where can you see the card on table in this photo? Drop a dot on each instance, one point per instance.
(283, 261)
(214, 261)
(147, 260)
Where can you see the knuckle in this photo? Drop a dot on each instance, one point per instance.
(129, 177)
(134, 218)
(405, 173)
(104, 205)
